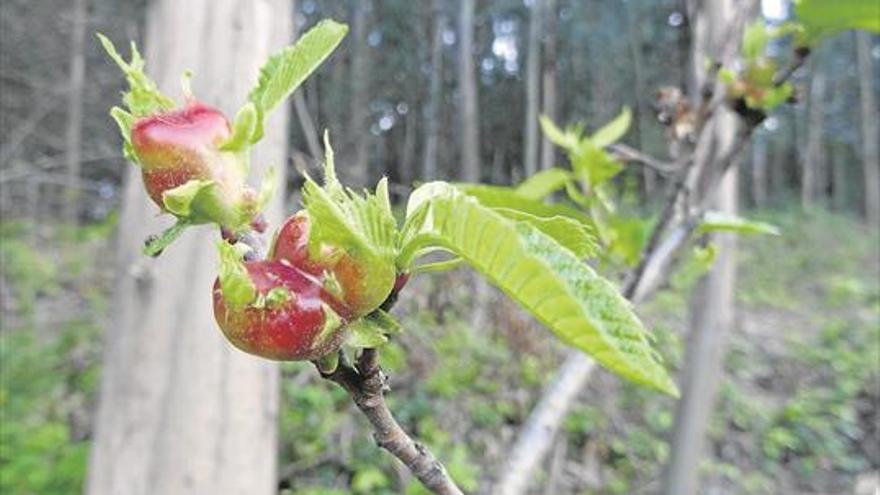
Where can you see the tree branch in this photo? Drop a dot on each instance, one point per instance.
(366, 385)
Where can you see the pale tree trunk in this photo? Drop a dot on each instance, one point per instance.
(814, 154)
(432, 113)
(713, 301)
(649, 177)
(839, 191)
(533, 90)
(470, 130)
(870, 131)
(73, 135)
(548, 79)
(181, 411)
(359, 128)
(759, 170)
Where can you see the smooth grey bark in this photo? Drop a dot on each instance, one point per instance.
(180, 410)
(870, 128)
(73, 134)
(533, 89)
(359, 128)
(432, 113)
(814, 154)
(713, 297)
(759, 170)
(467, 80)
(548, 78)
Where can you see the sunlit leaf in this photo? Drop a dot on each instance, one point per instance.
(544, 183)
(549, 281)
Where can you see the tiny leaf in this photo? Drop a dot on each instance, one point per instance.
(235, 283)
(716, 221)
(611, 132)
(544, 183)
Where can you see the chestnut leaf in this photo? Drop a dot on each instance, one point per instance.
(548, 280)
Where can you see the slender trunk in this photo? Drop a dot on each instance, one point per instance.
(759, 170)
(358, 130)
(470, 144)
(406, 168)
(73, 136)
(649, 176)
(180, 410)
(870, 145)
(813, 157)
(533, 89)
(432, 120)
(713, 298)
(839, 188)
(548, 79)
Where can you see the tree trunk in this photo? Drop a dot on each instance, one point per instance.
(870, 131)
(359, 129)
(533, 91)
(73, 136)
(759, 170)
(467, 80)
(181, 411)
(548, 79)
(649, 176)
(813, 158)
(432, 120)
(713, 298)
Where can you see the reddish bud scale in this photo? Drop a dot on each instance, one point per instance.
(295, 329)
(176, 147)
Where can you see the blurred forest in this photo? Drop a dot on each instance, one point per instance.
(452, 90)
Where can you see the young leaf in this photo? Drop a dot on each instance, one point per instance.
(716, 221)
(287, 69)
(824, 17)
(580, 307)
(614, 130)
(544, 183)
(236, 285)
(143, 97)
(506, 197)
(574, 236)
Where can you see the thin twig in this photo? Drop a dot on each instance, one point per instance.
(629, 154)
(366, 385)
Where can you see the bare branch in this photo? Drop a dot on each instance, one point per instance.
(626, 153)
(366, 385)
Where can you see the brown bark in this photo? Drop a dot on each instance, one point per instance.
(366, 385)
(870, 129)
(467, 80)
(180, 410)
(73, 136)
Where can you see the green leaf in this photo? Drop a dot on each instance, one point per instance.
(287, 69)
(235, 283)
(716, 221)
(825, 17)
(570, 234)
(156, 245)
(243, 129)
(567, 140)
(506, 197)
(755, 39)
(125, 121)
(362, 224)
(544, 183)
(143, 97)
(179, 201)
(565, 294)
(614, 130)
(365, 332)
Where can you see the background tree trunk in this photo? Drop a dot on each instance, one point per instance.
(870, 130)
(73, 136)
(467, 80)
(533, 90)
(359, 130)
(759, 170)
(181, 411)
(814, 154)
(548, 79)
(713, 298)
(432, 114)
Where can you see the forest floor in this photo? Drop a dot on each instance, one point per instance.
(797, 411)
